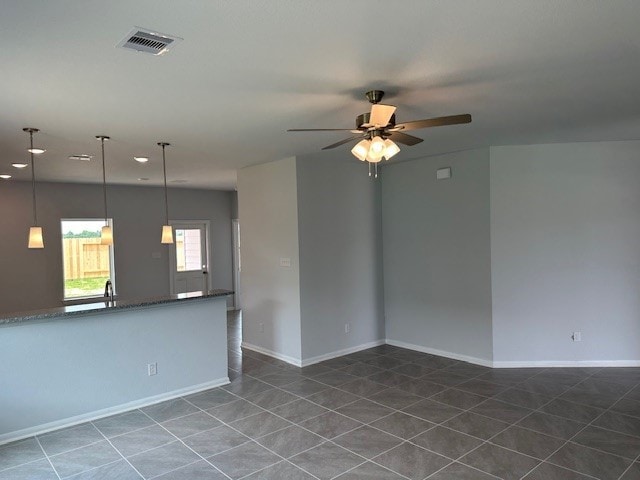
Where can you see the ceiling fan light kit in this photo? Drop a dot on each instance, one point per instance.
(380, 131)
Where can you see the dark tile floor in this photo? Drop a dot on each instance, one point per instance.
(383, 413)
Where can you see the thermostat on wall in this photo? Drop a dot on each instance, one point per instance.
(443, 173)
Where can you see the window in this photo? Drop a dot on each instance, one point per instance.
(87, 265)
(188, 250)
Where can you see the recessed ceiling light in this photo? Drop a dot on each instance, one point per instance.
(19, 165)
(141, 159)
(143, 179)
(5, 176)
(36, 151)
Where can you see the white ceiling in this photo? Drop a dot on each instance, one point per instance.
(534, 71)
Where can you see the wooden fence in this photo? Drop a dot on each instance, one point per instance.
(85, 258)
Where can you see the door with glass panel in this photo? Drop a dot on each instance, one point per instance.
(189, 259)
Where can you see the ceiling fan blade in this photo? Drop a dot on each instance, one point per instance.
(319, 130)
(342, 142)
(404, 138)
(381, 114)
(436, 122)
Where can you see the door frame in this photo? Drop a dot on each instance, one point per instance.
(172, 250)
(237, 265)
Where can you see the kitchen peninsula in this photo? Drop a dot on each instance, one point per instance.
(66, 365)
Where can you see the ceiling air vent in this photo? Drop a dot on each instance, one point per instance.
(143, 40)
(83, 157)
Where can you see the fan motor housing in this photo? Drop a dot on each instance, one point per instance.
(364, 118)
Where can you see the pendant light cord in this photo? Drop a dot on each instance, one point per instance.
(104, 183)
(33, 181)
(164, 170)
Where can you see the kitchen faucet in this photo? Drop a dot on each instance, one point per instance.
(108, 290)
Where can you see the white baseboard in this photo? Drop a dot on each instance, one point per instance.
(517, 364)
(285, 358)
(566, 363)
(107, 412)
(338, 353)
(310, 361)
(441, 353)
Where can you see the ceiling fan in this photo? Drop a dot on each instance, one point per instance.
(378, 130)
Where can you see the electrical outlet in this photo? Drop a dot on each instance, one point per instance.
(152, 369)
(347, 327)
(262, 328)
(576, 336)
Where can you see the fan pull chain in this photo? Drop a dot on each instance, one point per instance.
(369, 168)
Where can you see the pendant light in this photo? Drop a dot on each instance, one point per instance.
(35, 232)
(106, 236)
(167, 231)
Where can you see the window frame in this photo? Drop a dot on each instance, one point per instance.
(112, 271)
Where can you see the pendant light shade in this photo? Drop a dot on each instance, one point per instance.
(167, 230)
(36, 239)
(361, 149)
(377, 146)
(390, 149)
(106, 235)
(167, 234)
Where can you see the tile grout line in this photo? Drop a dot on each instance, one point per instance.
(455, 462)
(92, 469)
(178, 468)
(629, 467)
(47, 457)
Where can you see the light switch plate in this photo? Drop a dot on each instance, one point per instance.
(285, 262)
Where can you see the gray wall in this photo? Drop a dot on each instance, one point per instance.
(267, 197)
(340, 254)
(54, 371)
(565, 230)
(31, 279)
(437, 254)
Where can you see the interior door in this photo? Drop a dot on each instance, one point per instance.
(189, 265)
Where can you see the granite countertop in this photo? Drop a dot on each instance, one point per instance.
(103, 307)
